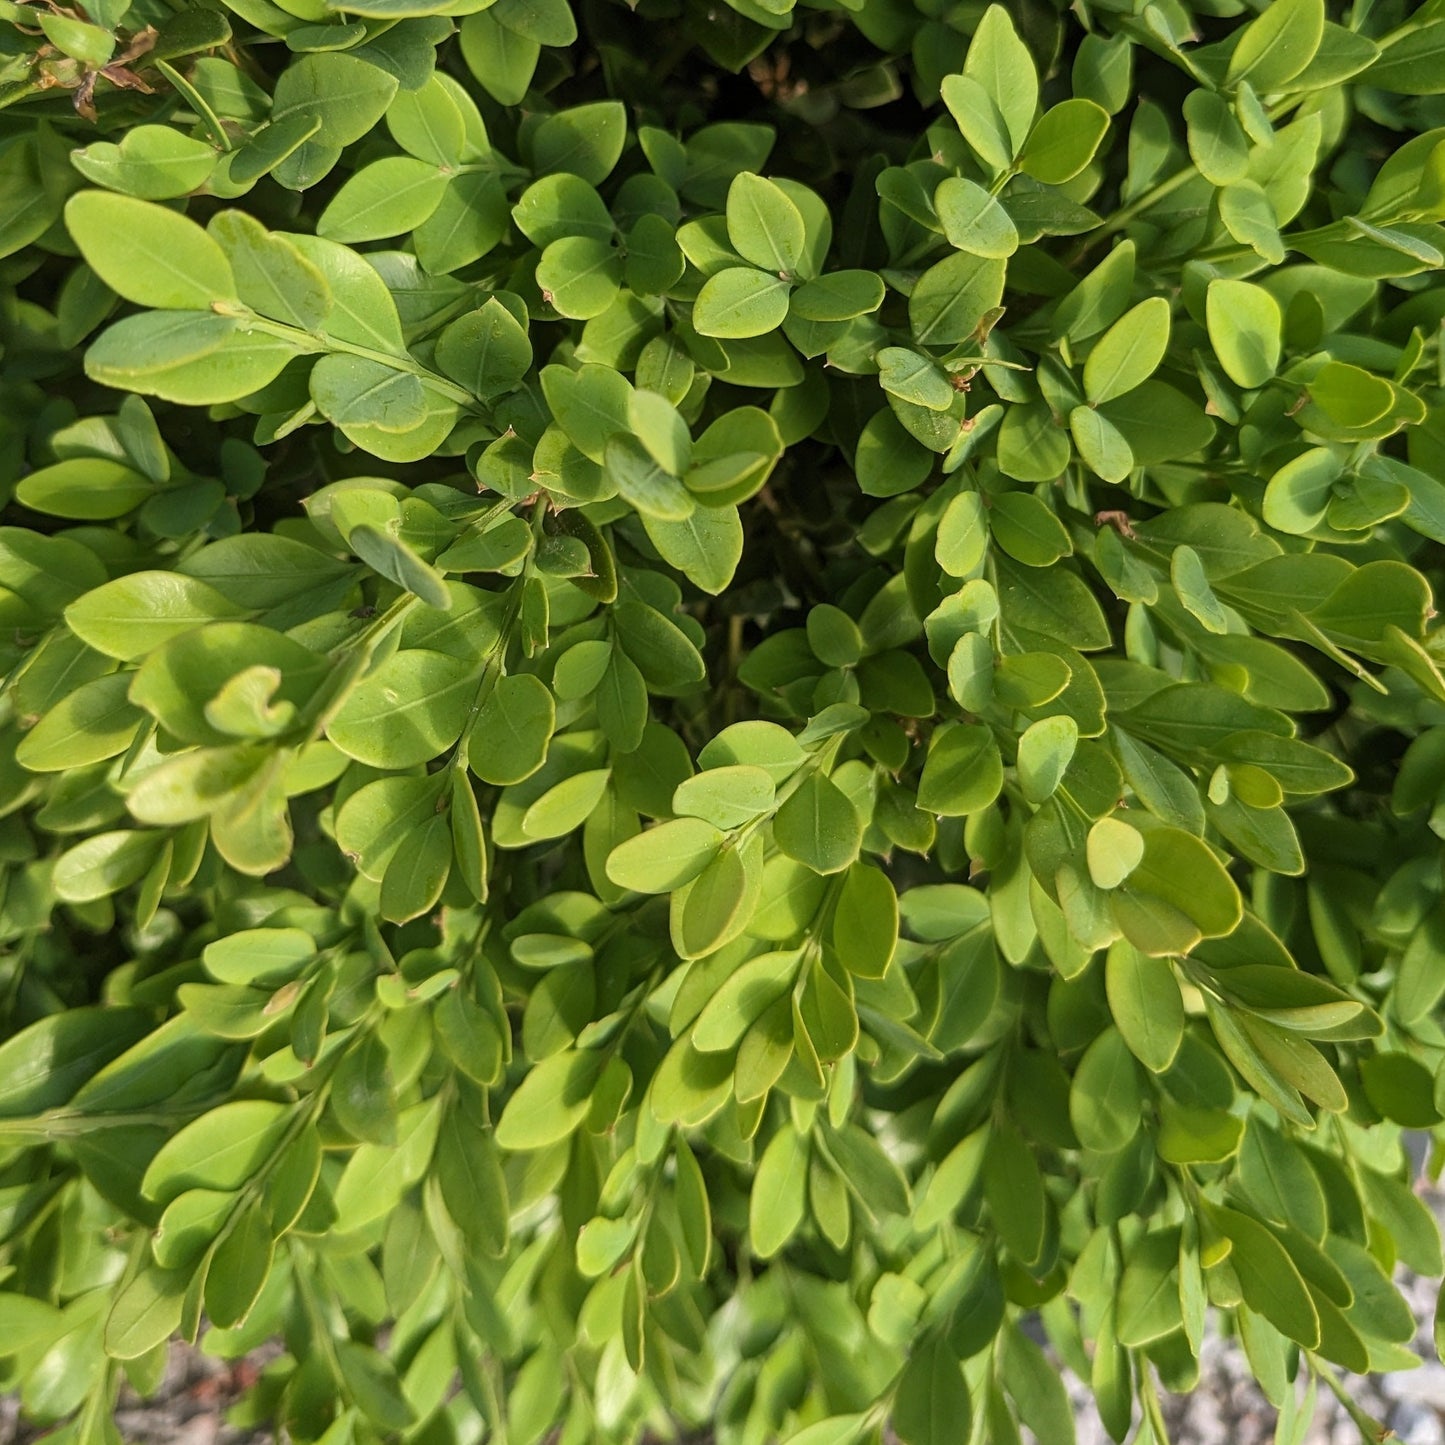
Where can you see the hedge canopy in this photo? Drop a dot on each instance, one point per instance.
(712, 712)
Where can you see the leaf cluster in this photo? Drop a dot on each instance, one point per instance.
(707, 710)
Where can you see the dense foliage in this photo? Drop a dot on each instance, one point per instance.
(707, 706)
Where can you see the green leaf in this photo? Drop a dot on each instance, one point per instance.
(222, 1149)
(1000, 63)
(271, 275)
(472, 1183)
(345, 94)
(135, 614)
(705, 546)
(973, 220)
(1014, 1190)
(1149, 1297)
(580, 277)
(587, 141)
(952, 298)
(259, 954)
(913, 378)
(1409, 64)
(1245, 325)
(151, 162)
(665, 857)
(740, 302)
(742, 998)
(370, 1379)
(818, 826)
(838, 296)
(1276, 47)
(1106, 1096)
(1101, 444)
(726, 797)
(1177, 893)
(408, 711)
(387, 198)
(1191, 586)
(932, 1403)
(487, 350)
(417, 873)
(356, 391)
(1037, 1389)
(1268, 1278)
(1027, 530)
(980, 119)
(148, 254)
(776, 1203)
(1217, 142)
(643, 483)
(427, 123)
(94, 722)
(551, 1101)
(590, 404)
(28, 1321)
(1129, 352)
(502, 60)
(963, 773)
(1045, 750)
(1114, 851)
(363, 1092)
(1147, 1006)
(89, 489)
(393, 559)
(89, 44)
(196, 358)
(711, 906)
(239, 1268)
(1063, 141)
(45, 1063)
(865, 922)
(146, 1312)
(1349, 395)
(1249, 216)
(962, 535)
(764, 225)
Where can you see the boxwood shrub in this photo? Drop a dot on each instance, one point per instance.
(718, 717)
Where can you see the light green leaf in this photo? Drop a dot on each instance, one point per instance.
(85, 489)
(1000, 62)
(740, 302)
(344, 93)
(665, 857)
(764, 225)
(1045, 750)
(551, 1101)
(819, 826)
(1277, 46)
(1129, 352)
(149, 254)
(1146, 1003)
(513, 730)
(776, 1203)
(1064, 141)
(387, 198)
(1245, 325)
(1114, 849)
(151, 162)
(963, 772)
(973, 220)
(406, 712)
